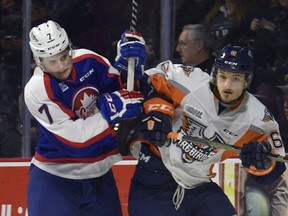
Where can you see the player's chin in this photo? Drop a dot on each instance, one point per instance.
(64, 75)
(60, 76)
(227, 98)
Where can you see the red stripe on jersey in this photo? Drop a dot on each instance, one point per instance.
(77, 160)
(108, 131)
(50, 94)
(97, 58)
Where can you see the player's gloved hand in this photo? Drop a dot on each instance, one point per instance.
(155, 127)
(122, 104)
(254, 155)
(156, 124)
(131, 45)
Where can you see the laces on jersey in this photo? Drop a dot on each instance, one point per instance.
(178, 196)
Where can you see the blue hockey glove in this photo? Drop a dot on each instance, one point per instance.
(122, 104)
(131, 45)
(253, 155)
(155, 127)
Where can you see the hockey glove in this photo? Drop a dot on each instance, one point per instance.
(254, 157)
(155, 127)
(131, 45)
(156, 124)
(122, 104)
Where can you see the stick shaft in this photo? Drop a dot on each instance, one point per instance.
(131, 61)
(178, 136)
(130, 76)
(134, 15)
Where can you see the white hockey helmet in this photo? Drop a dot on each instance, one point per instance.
(48, 39)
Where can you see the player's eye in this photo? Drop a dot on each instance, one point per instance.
(64, 57)
(222, 77)
(51, 63)
(236, 79)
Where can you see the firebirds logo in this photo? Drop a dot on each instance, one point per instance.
(85, 102)
(195, 151)
(267, 116)
(187, 70)
(168, 66)
(165, 66)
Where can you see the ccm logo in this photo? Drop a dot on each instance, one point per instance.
(163, 107)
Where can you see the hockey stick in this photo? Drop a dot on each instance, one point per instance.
(131, 61)
(178, 136)
(127, 127)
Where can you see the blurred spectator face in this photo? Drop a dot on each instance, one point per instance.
(284, 3)
(188, 48)
(59, 65)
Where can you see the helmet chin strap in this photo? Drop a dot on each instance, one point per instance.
(71, 52)
(38, 63)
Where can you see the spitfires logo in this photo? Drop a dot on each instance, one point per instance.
(85, 102)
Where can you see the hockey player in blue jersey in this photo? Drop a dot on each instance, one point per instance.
(76, 98)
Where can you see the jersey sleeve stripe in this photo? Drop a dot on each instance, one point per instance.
(247, 137)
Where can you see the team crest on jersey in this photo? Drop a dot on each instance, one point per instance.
(165, 66)
(195, 151)
(187, 70)
(267, 116)
(85, 102)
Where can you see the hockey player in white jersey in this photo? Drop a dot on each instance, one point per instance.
(174, 177)
(76, 98)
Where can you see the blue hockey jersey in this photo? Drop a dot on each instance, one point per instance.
(76, 142)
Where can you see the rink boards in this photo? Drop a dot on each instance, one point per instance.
(14, 176)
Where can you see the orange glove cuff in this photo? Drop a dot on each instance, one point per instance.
(159, 105)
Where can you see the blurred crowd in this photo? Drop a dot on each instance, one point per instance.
(97, 25)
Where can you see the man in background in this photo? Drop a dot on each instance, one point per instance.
(195, 47)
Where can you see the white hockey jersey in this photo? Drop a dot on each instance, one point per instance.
(196, 114)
